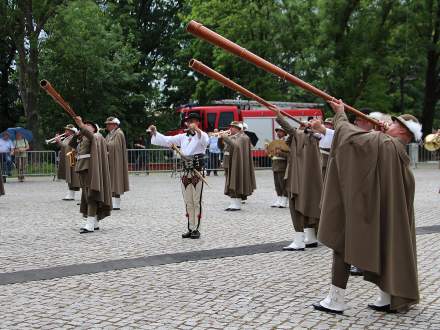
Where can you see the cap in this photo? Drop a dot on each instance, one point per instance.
(93, 124)
(412, 124)
(280, 129)
(328, 120)
(112, 120)
(72, 128)
(236, 124)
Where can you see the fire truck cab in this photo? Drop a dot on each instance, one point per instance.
(259, 119)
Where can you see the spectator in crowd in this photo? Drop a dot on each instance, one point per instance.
(6, 148)
(21, 146)
(213, 154)
(141, 156)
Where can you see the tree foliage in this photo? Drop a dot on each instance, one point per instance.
(129, 57)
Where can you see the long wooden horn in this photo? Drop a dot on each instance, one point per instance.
(46, 86)
(214, 38)
(211, 73)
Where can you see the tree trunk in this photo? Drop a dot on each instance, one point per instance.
(430, 94)
(432, 82)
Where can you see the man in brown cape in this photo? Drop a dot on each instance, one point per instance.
(303, 184)
(367, 215)
(117, 157)
(240, 179)
(94, 175)
(279, 165)
(65, 171)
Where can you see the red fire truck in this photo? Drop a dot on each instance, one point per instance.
(259, 119)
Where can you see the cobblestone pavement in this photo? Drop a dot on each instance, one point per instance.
(264, 291)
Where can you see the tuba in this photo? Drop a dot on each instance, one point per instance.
(71, 157)
(276, 144)
(432, 142)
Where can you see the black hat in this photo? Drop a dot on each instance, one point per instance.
(193, 115)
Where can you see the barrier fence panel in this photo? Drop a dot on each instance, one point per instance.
(35, 163)
(152, 160)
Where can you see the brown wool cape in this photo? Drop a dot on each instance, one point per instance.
(118, 162)
(240, 180)
(98, 176)
(304, 170)
(368, 209)
(65, 172)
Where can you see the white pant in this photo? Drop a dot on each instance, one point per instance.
(192, 187)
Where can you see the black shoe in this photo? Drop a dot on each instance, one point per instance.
(312, 245)
(356, 271)
(195, 234)
(187, 234)
(291, 249)
(68, 199)
(385, 308)
(116, 208)
(321, 308)
(231, 209)
(85, 231)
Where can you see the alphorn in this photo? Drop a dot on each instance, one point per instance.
(211, 73)
(47, 87)
(202, 32)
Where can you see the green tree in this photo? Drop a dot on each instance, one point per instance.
(30, 18)
(87, 59)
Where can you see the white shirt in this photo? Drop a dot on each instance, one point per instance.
(326, 139)
(189, 145)
(6, 145)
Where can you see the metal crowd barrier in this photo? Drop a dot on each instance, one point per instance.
(145, 161)
(166, 160)
(36, 163)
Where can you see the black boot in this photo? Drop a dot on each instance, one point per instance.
(187, 234)
(195, 234)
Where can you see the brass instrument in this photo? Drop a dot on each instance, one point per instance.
(71, 156)
(53, 140)
(432, 142)
(219, 134)
(275, 145)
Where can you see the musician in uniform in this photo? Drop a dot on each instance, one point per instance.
(304, 185)
(118, 163)
(66, 170)
(94, 174)
(193, 146)
(233, 130)
(279, 165)
(367, 215)
(325, 142)
(240, 179)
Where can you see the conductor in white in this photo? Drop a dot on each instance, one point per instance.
(193, 146)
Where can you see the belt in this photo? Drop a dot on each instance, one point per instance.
(83, 156)
(325, 151)
(226, 153)
(278, 158)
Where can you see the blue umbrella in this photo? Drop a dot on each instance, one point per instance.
(27, 134)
